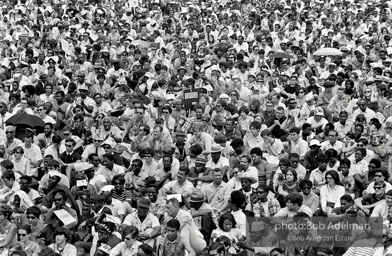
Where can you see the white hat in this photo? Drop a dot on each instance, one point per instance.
(248, 177)
(314, 143)
(109, 141)
(107, 188)
(54, 173)
(319, 112)
(216, 148)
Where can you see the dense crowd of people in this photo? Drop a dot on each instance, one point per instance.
(164, 127)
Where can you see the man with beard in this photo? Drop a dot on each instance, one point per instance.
(262, 237)
(60, 199)
(200, 176)
(144, 221)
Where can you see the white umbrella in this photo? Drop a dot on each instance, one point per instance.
(328, 51)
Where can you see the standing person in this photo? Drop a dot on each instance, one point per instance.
(188, 228)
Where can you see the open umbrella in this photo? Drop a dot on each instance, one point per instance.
(328, 52)
(26, 120)
(281, 55)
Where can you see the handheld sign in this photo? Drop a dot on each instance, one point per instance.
(191, 97)
(64, 216)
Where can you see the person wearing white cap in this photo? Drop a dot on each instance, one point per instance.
(317, 120)
(218, 160)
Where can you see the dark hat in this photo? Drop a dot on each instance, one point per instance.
(180, 133)
(197, 196)
(98, 198)
(144, 202)
(201, 159)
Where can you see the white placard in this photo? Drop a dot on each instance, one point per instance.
(176, 196)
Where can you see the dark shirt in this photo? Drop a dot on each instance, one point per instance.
(269, 119)
(70, 158)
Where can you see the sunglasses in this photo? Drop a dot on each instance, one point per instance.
(377, 188)
(22, 235)
(57, 200)
(8, 132)
(68, 145)
(66, 134)
(30, 217)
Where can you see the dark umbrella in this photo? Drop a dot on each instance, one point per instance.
(23, 119)
(281, 55)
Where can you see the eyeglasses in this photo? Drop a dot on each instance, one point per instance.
(66, 134)
(22, 235)
(106, 147)
(68, 145)
(17, 152)
(40, 109)
(57, 200)
(377, 188)
(9, 132)
(360, 145)
(165, 112)
(30, 217)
